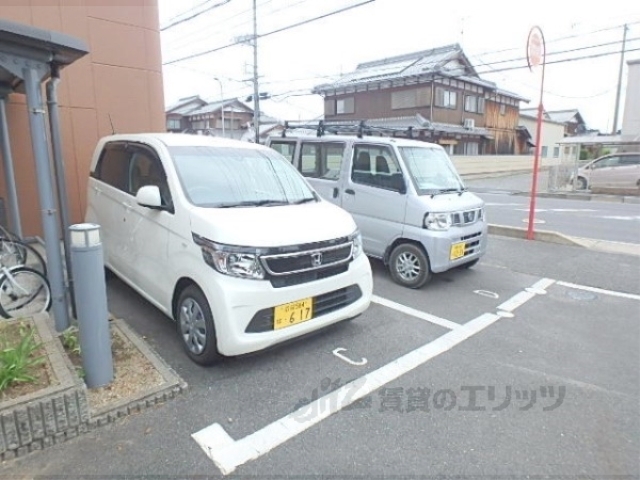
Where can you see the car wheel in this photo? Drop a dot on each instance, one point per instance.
(581, 183)
(409, 266)
(195, 326)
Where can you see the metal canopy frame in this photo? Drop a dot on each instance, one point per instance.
(30, 56)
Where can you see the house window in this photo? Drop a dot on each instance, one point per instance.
(345, 106)
(446, 98)
(473, 104)
(418, 97)
(503, 109)
(173, 124)
(544, 152)
(556, 152)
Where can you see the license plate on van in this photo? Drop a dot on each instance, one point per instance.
(292, 313)
(457, 251)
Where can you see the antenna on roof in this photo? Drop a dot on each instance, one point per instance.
(113, 130)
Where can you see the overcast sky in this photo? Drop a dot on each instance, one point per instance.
(491, 33)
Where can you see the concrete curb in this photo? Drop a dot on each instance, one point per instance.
(561, 239)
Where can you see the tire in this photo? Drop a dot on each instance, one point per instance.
(195, 326)
(581, 183)
(23, 292)
(409, 266)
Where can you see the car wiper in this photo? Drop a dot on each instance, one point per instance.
(448, 190)
(253, 203)
(304, 200)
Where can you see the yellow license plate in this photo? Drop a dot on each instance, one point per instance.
(457, 250)
(292, 313)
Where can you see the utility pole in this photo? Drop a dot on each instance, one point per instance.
(256, 96)
(222, 103)
(617, 108)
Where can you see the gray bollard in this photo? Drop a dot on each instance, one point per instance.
(87, 262)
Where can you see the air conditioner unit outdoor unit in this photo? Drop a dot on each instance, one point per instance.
(469, 123)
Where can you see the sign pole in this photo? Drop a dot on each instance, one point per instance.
(536, 55)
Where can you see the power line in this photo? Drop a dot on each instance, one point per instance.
(617, 42)
(189, 37)
(597, 55)
(178, 22)
(199, 54)
(553, 40)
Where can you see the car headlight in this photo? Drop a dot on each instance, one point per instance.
(437, 221)
(231, 260)
(356, 238)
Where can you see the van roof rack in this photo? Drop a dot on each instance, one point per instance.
(360, 128)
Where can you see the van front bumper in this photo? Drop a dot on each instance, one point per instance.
(439, 245)
(235, 304)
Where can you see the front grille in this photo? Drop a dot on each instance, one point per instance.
(322, 304)
(472, 243)
(306, 277)
(468, 217)
(291, 263)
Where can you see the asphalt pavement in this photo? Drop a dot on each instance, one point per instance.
(523, 366)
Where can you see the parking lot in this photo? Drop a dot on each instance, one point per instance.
(523, 365)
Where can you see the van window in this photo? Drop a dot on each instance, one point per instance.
(431, 169)
(376, 166)
(113, 166)
(321, 160)
(286, 149)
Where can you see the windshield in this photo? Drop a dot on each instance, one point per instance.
(431, 170)
(237, 177)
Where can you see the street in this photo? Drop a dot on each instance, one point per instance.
(507, 203)
(523, 365)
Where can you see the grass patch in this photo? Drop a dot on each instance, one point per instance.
(23, 365)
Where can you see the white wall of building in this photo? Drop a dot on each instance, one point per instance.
(552, 133)
(631, 118)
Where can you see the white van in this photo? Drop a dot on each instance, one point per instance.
(409, 202)
(227, 238)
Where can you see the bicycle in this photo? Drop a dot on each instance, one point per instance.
(24, 291)
(15, 252)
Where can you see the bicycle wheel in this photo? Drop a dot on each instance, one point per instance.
(16, 253)
(23, 292)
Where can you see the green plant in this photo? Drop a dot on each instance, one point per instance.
(16, 362)
(70, 340)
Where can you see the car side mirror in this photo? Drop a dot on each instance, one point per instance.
(149, 196)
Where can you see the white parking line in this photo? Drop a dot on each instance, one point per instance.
(599, 290)
(538, 288)
(415, 313)
(228, 454)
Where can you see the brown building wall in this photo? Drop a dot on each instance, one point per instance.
(121, 77)
(377, 104)
(502, 127)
